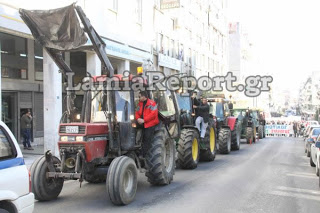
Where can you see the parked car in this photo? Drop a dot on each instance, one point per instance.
(15, 185)
(315, 154)
(312, 136)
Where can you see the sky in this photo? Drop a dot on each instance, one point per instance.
(285, 34)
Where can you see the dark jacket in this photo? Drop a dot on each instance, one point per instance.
(150, 113)
(25, 122)
(195, 102)
(203, 111)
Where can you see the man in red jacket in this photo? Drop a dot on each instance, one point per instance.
(147, 116)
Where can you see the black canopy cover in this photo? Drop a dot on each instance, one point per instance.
(57, 29)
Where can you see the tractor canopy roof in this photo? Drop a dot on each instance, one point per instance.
(56, 29)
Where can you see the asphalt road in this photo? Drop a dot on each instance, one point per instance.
(272, 175)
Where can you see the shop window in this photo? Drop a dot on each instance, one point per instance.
(38, 61)
(14, 58)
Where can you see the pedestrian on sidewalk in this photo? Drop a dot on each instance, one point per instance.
(26, 120)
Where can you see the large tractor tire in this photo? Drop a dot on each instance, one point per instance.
(160, 158)
(122, 180)
(188, 149)
(260, 131)
(264, 131)
(236, 136)
(249, 134)
(254, 134)
(224, 141)
(45, 188)
(209, 154)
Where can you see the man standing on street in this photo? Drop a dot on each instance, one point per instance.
(26, 129)
(147, 117)
(295, 129)
(203, 117)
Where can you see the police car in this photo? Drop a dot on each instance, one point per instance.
(15, 185)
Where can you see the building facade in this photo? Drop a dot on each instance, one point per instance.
(190, 38)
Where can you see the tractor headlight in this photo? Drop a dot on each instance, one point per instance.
(79, 138)
(78, 116)
(132, 117)
(64, 138)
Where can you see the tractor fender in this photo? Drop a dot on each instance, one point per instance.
(232, 122)
(190, 127)
(225, 127)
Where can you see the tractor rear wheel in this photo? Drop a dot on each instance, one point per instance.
(45, 188)
(260, 131)
(224, 141)
(249, 134)
(160, 158)
(209, 154)
(188, 149)
(235, 136)
(122, 180)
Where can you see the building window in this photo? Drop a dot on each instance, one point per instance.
(171, 53)
(14, 57)
(113, 5)
(38, 61)
(181, 52)
(160, 44)
(138, 11)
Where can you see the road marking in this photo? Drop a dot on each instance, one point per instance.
(303, 175)
(284, 188)
(295, 195)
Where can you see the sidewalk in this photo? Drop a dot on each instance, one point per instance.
(31, 155)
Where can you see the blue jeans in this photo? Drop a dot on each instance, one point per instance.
(26, 137)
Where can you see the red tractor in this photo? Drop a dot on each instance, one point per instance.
(102, 143)
(228, 127)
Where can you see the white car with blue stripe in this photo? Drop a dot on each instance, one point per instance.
(15, 185)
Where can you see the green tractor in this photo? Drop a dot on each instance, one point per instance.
(261, 122)
(190, 147)
(249, 123)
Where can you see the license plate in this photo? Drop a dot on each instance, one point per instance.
(72, 129)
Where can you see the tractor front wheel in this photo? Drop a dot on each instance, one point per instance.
(122, 180)
(224, 141)
(43, 187)
(209, 154)
(249, 134)
(260, 131)
(236, 136)
(188, 149)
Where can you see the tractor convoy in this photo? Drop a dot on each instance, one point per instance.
(103, 143)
